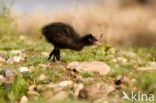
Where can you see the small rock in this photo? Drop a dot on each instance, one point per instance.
(24, 99)
(109, 89)
(48, 94)
(147, 68)
(33, 93)
(15, 59)
(2, 78)
(66, 83)
(91, 92)
(45, 53)
(122, 60)
(94, 66)
(9, 75)
(23, 55)
(15, 52)
(77, 88)
(60, 96)
(32, 87)
(51, 85)
(24, 69)
(3, 58)
(41, 88)
(42, 77)
(55, 87)
(134, 80)
(114, 60)
(21, 37)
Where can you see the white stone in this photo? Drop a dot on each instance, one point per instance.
(24, 69)
(21, 37)
(42, 77)
(93, 66)
(45, 53)
(24, 99)
(65, 83)
(114, 60)
(17, 58)
(2, 78)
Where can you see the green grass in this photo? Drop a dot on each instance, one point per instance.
(33, 48)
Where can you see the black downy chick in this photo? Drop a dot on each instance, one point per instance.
(63, 36)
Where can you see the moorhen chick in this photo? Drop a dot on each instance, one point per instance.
(63, 36)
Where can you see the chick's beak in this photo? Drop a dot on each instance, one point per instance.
(97, 43)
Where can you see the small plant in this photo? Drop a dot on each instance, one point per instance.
(86, 74)
(18, 88)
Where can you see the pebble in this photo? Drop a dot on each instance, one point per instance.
(24, 99)
(55, 87)
(32, 87)
(60, 96)
(42, 77)
(45, 53)
(48, 94)
(22, 37)
(77, 88)
(33, 93)
(15, 59)
(122, 60)
(24, 69)
(2, 78)
(92, 93)
(41, 88)
(109, 89)
(65, 83)
(9, 75)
